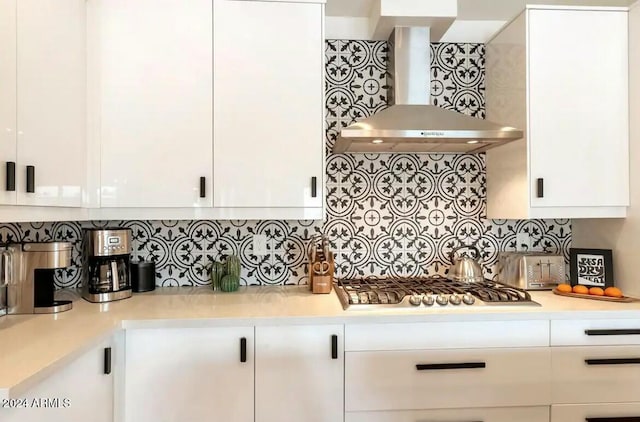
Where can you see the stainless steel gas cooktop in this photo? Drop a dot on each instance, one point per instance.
(426, 292)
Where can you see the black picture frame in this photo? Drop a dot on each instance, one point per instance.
(591, 267)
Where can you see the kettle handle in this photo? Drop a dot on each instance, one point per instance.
(470, 247)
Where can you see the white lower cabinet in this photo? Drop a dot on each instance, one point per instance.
(500, 414)
(302, 362)
(80, 391)
(189, 374)
(596, 374)
(600, 412)
(447, 378)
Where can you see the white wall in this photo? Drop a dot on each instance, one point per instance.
(623, 236)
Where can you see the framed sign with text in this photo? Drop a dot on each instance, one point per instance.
(591, 267)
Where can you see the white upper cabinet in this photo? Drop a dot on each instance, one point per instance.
(562, 75)
(155, 102)
(7, 100)
(268, 104)
(42, 102)
(51, 75)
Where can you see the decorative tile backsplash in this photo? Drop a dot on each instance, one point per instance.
(386, 214)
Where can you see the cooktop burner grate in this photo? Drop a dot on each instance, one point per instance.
(427, 291)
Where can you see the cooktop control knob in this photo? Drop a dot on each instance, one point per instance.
(429, 300)
(415, 300)
(442, 300)
(455, 299)
(468, 299)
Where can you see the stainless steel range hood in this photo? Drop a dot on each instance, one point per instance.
(410, 124)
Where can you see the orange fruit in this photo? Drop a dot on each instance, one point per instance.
(565, 288)
(613, 292)
(582, 290)
(596, 291)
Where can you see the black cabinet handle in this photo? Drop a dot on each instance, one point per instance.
(616, 332)
(619, 361)
(11, 176)
(314, 187)
(540, 188)
(31, 179)
(334, 347)
(243, 350)
(203, 187)
(615, 419)
(441, 366)
(107, 360)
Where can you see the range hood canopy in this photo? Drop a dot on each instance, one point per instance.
(410, 124)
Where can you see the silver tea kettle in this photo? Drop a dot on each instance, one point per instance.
(465, 269)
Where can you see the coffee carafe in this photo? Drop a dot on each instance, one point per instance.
(106, 269)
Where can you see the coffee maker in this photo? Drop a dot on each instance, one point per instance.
(106, 271)
(30, 270)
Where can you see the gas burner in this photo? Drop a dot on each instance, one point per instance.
(427, 292)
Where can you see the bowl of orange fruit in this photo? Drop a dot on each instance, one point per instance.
(612, 294)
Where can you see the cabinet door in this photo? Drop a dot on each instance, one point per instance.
(447, 378)
(7, 99)
(579, 115)
(305, 362)
(156, 103)
(488, 414)
(80, 391)
(594, 374)
(609, 412)
(189, 374)
(268, 104)
(51, 101)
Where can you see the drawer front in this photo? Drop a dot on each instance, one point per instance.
(606, 412)
(446, 335)
(595, 332)
(504, 414)
(440, 379)
(604, 374)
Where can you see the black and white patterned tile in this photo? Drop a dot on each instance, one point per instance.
(386, 214)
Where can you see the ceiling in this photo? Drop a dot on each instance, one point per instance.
(477, 20)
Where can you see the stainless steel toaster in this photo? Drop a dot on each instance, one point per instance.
(531, 270)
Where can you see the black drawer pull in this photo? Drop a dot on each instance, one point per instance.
(540, 188)
(441, 366)
(31, 179)
(11, 176)
(243, 350)
(203, 187)
(615, 419)
(107, 360)
(614, 332)
(620, 361)
(314, 187)
(334, 347)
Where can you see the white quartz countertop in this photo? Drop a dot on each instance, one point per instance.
(34, 346)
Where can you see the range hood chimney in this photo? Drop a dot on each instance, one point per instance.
(410, 124)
